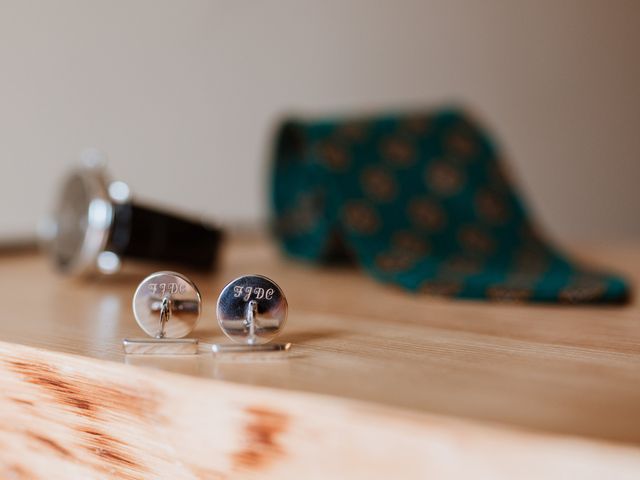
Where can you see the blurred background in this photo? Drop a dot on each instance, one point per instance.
(184, 95)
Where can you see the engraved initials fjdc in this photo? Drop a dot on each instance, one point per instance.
(252, 292)
(167, 288)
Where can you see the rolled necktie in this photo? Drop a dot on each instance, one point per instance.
(420, 201)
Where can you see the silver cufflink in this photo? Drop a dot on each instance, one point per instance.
(166, 306)
(251, 311)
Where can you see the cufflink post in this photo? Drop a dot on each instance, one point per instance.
(165, 315)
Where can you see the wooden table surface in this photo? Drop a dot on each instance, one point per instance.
(548, 369)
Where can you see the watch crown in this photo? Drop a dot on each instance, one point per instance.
(108, 262)
(119, 192)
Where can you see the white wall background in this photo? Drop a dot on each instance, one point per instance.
(183, 94)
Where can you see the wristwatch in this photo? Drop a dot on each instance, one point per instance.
(95, 226)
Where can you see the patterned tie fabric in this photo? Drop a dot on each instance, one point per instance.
(420, 201)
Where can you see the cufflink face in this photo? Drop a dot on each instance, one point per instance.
(167, 305)
(252, 310)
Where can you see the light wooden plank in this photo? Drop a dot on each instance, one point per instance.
(67, 417)
(558, 369)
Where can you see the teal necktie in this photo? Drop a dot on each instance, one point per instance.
(420, 201)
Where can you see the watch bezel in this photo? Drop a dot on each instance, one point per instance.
(100, 213)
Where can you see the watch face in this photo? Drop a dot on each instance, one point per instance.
(82, 219)
(72, 220)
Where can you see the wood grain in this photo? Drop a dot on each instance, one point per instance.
(556, 370)
(66, 417)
